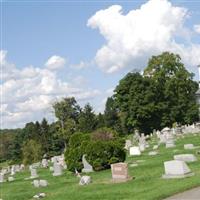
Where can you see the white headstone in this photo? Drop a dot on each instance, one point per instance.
(1, 177)
(85, 180)
(185, 157)
(43, 183)
(36, 183)
(128, 144)
(44, 163)
(13, 170)
(33, 173)
(135, 151)
(10, 179)
(86, 166)
(142, 147)
(57, 169)
(176, 169)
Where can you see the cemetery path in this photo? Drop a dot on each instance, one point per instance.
(193, 194)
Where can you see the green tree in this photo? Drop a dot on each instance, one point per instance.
(100, 121)
(87, 121)
(163, 95)
(111, 115)
(67, 111)
(32, 152)
(175, 87)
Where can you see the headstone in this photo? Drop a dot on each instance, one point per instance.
(87, 167)
(85, 180)
(189, 146)
(176, 169)
(22, 167)
(40, 195)
(57, 169)
(43, 183)
(44, 163)
(128, 144)
(120, 172)
(77, 173)
(17, 168)
(40, 183)
(36, 183)
(12, 170)
(185, 157)
(33, 173)
(36, 165)
(142, 142)
(10, 179)
(142, 147)
(135, 151)
(1, 177)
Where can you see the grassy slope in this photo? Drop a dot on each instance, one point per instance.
(147, 184)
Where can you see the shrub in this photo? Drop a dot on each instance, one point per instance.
(75, 151)
(99, 153)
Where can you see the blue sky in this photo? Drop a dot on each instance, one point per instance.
(34, 31)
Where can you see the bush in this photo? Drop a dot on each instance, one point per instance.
(101, 154)
(100, 151)
(75, 151)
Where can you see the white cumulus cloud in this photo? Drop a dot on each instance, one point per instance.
(197, 28)
(27, 94)
(55, 62)
(133, 37)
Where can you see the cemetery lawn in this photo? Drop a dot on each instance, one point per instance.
(147, 184)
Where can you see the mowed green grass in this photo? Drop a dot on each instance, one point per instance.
(146, 185)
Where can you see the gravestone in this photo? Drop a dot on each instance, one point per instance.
(57, 169)
(189, 146)
(128, 144)
(44, 163)
(87, 167)
(40, 183)
(120, 172)
(36, 183)
(134, 151)
(142, 147)
(17, 168)
(85, 180)
(36, 165)
(22, 167)
(43, 183)
(1, 177)
(10, 179)
(12, 170)
(176, 169)
(33, 173)
(142, 142)
(185, 157)
(169, 138)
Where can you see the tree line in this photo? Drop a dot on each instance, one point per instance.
(160, 96)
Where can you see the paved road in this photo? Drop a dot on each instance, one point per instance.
(193, 194)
